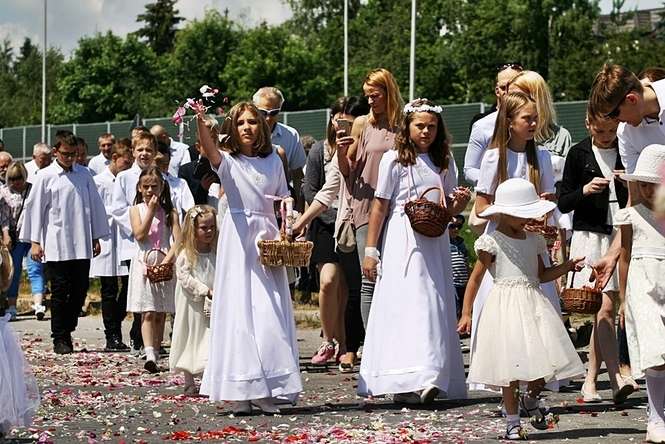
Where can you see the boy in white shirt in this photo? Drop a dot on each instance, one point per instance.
(181, 195)
(144, 148)
(64, 220)
(107, 265)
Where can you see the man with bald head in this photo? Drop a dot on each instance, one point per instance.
(483, 128)
(269, 101)
(179, 151)
(5, 160)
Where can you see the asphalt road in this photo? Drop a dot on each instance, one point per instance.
(91, 396)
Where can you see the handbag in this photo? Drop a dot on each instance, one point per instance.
(6, 269)
(13, 232)
(426, 217)
(155, 270)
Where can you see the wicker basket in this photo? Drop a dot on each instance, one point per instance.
(426, 217)
(585, 300)
(283, 251)
(155, 270)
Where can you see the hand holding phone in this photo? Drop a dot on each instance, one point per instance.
(343, 127)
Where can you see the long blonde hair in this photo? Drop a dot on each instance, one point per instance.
(384, 79)
(511, 104)
(533, 84)
(188, 243)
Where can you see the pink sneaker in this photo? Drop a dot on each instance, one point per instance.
(326, 351)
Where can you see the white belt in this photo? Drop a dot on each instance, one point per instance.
(249, 212)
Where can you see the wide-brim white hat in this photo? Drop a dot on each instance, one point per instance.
(517, 197)
(649, 165)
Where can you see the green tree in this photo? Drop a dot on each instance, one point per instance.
(272, 56)
(200, 54)
(110, 78)
(161, 19)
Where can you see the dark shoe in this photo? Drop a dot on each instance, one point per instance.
(115, 345)
(163, 352)
(70, 342)
(151, 367)
(61, 347)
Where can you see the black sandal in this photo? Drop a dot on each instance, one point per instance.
(536, 414)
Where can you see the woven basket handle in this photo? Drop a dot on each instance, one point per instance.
(594, 273)
(145, 256)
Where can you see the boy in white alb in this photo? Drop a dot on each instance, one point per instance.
(144, 148)
(107, 265)
(64, 220)
(181, 195)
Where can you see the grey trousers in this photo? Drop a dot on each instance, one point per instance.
(367, 286)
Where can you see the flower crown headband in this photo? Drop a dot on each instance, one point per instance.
(423, 108)
(196, 212)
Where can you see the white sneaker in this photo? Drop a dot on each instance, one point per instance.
(241, 407)
(40, 311)
(266, 405)
(655, 432)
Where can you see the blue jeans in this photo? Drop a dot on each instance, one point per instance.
(36, 276)
(18, 253)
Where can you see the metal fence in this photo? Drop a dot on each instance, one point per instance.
(20, 140)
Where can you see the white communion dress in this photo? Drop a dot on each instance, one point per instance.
(645, 289)
(191, 327)
(520, 336)
(253, 344)
(411, 341)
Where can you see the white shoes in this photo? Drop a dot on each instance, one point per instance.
(423, 397)
(590, 396)
(241, 407)
(655, 432)
(266, 405)
(40, 311)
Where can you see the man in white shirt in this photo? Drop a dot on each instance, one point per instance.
(179, 151)
(618, 94)
(101, 161)
(64, 220)
(482, 129)
(41, 158)
(269, 101)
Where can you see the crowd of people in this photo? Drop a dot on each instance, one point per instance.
(171, 231)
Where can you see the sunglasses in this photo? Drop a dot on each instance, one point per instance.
(512, 65)
(269, 112)
(616, 111)
(68, 154)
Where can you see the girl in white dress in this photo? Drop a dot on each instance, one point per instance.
(513, 153)
(411, 348)
(642, 289)
(195, 270)
(520, 335)
(154, 224)
(253, 356)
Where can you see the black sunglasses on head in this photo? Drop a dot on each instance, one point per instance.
(512, 65)
(616, 111)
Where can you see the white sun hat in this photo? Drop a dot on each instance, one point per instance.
(517, 197)
(649, 165)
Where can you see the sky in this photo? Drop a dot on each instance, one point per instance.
(69, 20)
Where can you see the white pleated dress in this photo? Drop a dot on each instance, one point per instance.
(253, 343)
(411, 342)
(645, 289)
(520, 336)
(191, 327)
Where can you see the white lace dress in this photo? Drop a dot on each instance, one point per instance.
(520, 336)
(645, 289)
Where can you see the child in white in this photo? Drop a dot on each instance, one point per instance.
(520, 336)
(107, 266)
(154, 223)
(195, 269)
(18, 387)
(416, 271)
(253, 344)
(642, 289)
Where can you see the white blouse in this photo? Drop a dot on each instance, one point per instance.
(517, 167)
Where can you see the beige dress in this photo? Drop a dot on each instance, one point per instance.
(191, 327)
(520, 336)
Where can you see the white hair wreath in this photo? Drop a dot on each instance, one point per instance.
(410, 108)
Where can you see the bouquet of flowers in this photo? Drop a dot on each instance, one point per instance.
(203, 103)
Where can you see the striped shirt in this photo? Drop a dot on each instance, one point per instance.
(460, 261)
